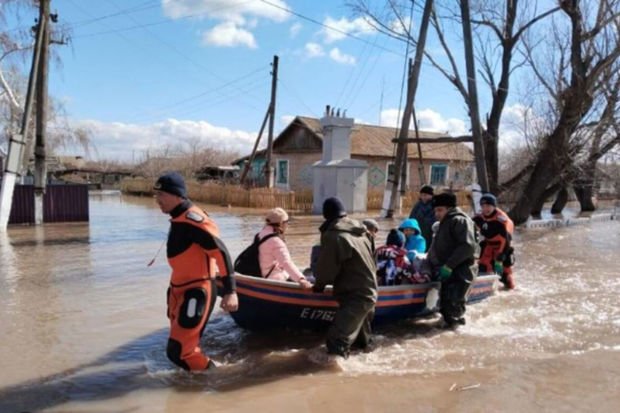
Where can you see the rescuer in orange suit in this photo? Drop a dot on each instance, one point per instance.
(496, 230)
(195, 254)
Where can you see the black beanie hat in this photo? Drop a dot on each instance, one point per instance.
(333, 208)
(395, 237)
(445, 199)
(427, 189)
(488, 199)
(171, 183)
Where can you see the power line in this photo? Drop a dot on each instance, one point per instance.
(211, 90)
(363, 57)
(358, 89)
(135, 9)
(243, 90)
(296, 96)
(185, 56)
(219, 101)
(80, 23)
(311, 20)
(158, 22)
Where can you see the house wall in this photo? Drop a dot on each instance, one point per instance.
(299, 168)
(302, 149)
(459, 173)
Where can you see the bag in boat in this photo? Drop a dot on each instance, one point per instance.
(247, 262)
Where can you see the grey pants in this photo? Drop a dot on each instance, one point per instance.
(351, 325)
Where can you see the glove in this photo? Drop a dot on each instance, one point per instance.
(444, 273)
(498, 267)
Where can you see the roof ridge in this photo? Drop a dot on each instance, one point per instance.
(370, 125)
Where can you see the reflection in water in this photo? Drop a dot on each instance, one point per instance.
(84, 328)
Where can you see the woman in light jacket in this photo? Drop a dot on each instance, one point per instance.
(275, 261)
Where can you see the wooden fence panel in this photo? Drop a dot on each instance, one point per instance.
(235, 195)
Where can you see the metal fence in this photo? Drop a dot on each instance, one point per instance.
(61, 203)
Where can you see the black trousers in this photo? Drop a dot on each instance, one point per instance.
(453, 296)
(351, 325)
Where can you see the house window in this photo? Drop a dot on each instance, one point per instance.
(258, 167)
(439, 173)
(282, 172)
(390, 171)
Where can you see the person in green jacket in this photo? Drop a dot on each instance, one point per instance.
(346, 261)
(452, 257)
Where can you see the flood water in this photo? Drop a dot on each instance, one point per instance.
(84, 329)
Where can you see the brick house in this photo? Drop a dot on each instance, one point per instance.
(299, 146)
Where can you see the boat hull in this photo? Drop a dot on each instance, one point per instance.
(267, 304)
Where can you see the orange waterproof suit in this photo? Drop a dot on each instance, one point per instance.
(195, 253)
(496, 231)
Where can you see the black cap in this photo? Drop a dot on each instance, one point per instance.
(171, 183)
(395, 237)
(488, 199)
(445, 199)
(427, 189)
(333, 208)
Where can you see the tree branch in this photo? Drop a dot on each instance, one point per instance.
(529, 24)
(9, 92)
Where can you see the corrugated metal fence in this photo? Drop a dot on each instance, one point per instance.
(61, 203)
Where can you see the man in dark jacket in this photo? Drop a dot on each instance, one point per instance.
(346, 261)
(423, 212)
(453, 255)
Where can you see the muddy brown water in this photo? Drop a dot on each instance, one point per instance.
(83, 329)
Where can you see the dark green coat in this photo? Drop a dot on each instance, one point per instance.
(455, 245)
(346, 260)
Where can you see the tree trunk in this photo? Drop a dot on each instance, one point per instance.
(537, 208)
(535, 191)
(584, 190)
(539, 204)
(491, 157)
(561, 199)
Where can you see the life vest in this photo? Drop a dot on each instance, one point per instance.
(196, 255)
(190, 261)
(496, 230)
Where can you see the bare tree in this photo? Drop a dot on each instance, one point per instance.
(498, 28)
(577, 65)
(16, 46)
(187, 158)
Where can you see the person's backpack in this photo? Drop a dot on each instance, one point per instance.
(247, 262)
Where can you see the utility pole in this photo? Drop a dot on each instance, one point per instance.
(248, 165)
(17, 141)
(392, 195)
(476, 129)
(40, 167)
(419, 146)
(272, 112)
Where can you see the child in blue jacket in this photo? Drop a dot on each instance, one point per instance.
(415, 243)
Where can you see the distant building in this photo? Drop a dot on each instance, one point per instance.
(227, 174)
(299, 146)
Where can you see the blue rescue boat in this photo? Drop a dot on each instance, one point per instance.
(266, 304)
